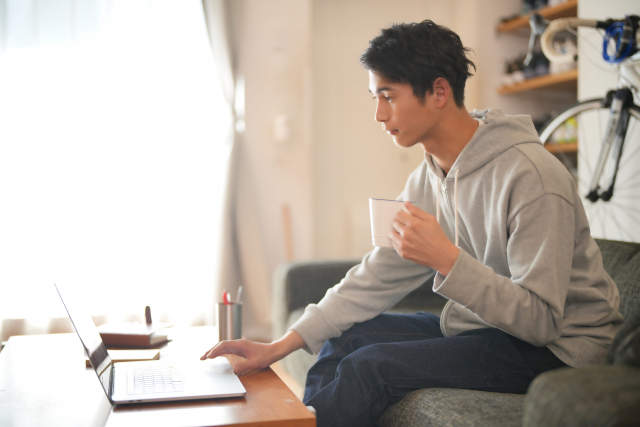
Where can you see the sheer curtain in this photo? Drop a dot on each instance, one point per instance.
(114, 150)
(242, 259)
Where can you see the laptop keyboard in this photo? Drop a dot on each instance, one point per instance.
(153, 378)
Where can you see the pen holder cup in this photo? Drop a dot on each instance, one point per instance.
(229, 321)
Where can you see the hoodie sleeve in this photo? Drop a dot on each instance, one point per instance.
(370, 288)
(529, 304)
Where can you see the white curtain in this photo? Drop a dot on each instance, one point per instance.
(242, 256)
(114, 151)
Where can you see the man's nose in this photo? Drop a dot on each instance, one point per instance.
(381, 113)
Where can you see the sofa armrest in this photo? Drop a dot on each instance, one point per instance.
(298, 284)
(598, 396)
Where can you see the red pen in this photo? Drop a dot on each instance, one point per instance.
(225, 298)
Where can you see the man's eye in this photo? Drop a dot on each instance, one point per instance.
(388, 98)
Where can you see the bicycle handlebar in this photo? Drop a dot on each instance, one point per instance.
(629, 32)
(557, 25)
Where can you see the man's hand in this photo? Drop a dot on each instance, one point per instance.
(258, 355)
(418, 237)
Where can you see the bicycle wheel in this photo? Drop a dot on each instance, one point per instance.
(619, 217)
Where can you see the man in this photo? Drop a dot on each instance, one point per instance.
(499, 220)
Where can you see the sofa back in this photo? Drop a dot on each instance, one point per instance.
(622, 261)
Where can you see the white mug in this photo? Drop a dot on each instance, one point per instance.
(382, 213)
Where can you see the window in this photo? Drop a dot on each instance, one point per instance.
(112, 157)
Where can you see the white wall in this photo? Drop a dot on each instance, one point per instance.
(272, 45)
(353, 158)
(618, 219)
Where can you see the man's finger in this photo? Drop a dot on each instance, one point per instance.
(397, 227)
(226, 347)
(416, 211)
(204, 356)
(395, 240)
(403, 217)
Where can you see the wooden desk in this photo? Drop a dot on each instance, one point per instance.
(43, 381)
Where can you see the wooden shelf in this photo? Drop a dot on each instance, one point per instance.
(571, 147)
(564, 10)
(568, 78)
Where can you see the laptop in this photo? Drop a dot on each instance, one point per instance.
(156, 380)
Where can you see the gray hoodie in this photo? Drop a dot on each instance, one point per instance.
(528, 264)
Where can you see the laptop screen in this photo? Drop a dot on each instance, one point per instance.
(91, 341)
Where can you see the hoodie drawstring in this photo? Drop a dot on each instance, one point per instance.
(455, 200)
(438, 205)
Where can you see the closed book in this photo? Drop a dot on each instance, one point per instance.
(134, 334)
(129, 356)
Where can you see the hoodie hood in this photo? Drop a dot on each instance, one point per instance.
(504, 132)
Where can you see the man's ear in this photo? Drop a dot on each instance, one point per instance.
(442, 91)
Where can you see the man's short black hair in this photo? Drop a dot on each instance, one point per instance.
(418, 54)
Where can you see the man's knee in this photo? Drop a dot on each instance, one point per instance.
(365, 365)
(352, 339)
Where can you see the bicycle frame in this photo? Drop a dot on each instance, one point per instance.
(614, 137)
(628, 75)
(617, 101)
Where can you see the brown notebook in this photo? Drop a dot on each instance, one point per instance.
(135, 334)
(129, 356)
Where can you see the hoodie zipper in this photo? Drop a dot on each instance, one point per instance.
(446, 196)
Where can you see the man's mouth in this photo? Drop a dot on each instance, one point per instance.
(392, 131)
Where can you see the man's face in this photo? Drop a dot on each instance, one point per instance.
(401, 113)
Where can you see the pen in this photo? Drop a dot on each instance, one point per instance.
(239, 295)
(147, 314)
(225, 297)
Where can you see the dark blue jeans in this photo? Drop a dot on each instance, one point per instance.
(376, 363)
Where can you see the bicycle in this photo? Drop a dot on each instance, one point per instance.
(618, 142)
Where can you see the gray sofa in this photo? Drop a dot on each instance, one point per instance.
(602, 395)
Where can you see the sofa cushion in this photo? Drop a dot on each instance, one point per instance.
(594, 396)
(453, 407)
(628, 281)
(616, 255)
(622, 261)
(625, 349)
